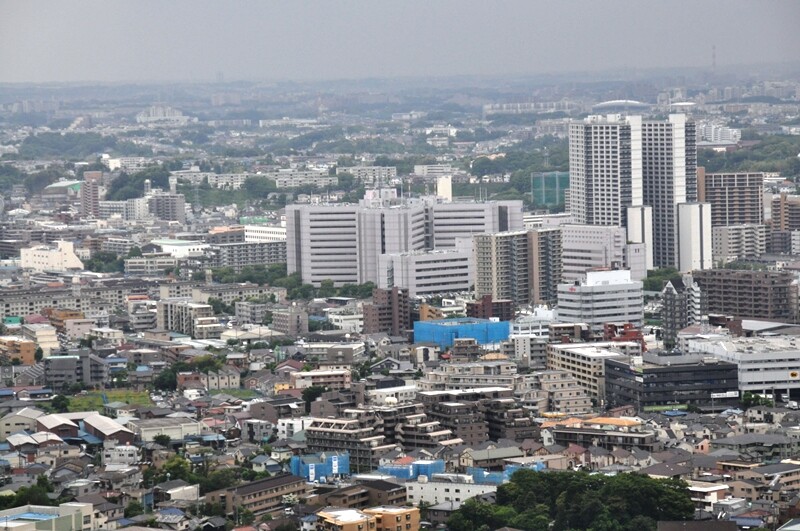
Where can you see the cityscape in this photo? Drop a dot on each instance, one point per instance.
(307, 289)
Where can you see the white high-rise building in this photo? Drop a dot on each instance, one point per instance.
(618, 164)
(602, 297)
(605, 168)
(695, 248)
(669, 178)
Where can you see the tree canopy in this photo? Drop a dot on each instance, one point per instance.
(536, 501)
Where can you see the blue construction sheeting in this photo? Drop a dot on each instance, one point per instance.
(445, 331)
(414, 470)
(319, 467)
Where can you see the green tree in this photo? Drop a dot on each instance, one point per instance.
(163, 440)
(134, 508)
(60, 403)
(310, 394)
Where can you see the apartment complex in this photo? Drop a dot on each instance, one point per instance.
(265, 496)
(735, 198)
(521, 266)
(738, 242)
(389, 312)
(747, 294)
(184, 316)
(239, 255)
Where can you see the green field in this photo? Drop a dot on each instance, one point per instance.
(94, 400)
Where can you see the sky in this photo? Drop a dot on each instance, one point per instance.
(179, 40)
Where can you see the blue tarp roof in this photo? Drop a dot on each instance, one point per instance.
(89, 438)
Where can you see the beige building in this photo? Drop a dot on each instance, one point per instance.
(737, 242)
(22, 420)
(341, 519)
(44, 335)
(260, 497)
(40, 258)
(332, 379)
(187, 317)
(586, 362)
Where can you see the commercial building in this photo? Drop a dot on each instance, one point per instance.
(602, 297)
(264, 233)
(445, 331)
(660, 379)
(184, 316)
(746, 294)
(735, 198)
(265, 496)
(522, 266)
(738, 242)
(42, 258)
(765, 364)
(178, 429)
(425, 273)
(586, 362)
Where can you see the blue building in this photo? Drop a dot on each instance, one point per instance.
(320, 467)
(444, 331)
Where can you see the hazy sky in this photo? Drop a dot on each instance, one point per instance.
(145, 40)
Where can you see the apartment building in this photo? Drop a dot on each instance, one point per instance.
(735, 198)
(389, 312)
(264, 233)
(683, 304)
(769, 295)
(738, 242)
(151, 264)
(79, 367)
(370, 174)
(291, 321)
(522, 266)
(44, 336)
(184, 316)
(17, 348)
(242, 254)
(265, 496)
(331, 379)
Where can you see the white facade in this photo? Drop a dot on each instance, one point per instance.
(181, 248)
(764, 363)
(433, 492)
(343, 243)
(40, 258)
(264, 233)
(427, 272)
(586, 247)
(392, 395)
(694, 237)
(640, 231)
(738, 242)
(669, 177)
(603, 297)
(605, 168)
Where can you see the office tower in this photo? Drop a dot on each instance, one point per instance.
(694, 237)
(90, 195)
(345, 243)
(605, 164)
(602, 297)
(522, 266)
(669, 178)
(735, 198)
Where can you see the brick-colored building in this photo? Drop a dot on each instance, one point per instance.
(390, 312)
